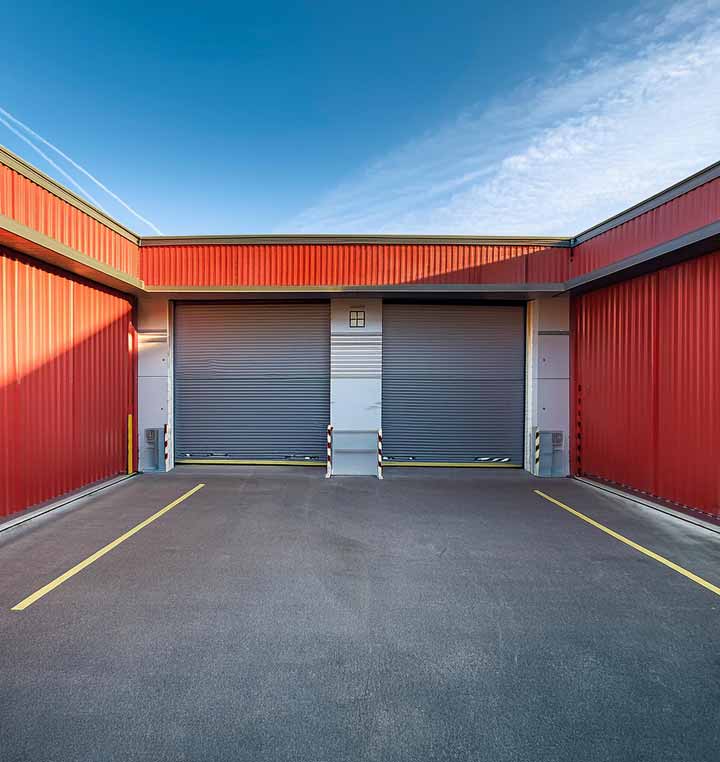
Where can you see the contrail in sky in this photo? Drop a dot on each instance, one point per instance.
(77, 166)
(68, 177)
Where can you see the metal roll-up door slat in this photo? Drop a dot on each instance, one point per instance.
(252, 381)
(453, 383)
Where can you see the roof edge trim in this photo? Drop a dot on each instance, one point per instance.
(398, 289)
(696, 243)
(42, 247)
(32, 173)
(338, 238)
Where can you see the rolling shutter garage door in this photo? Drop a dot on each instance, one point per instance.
(252, 381)
(453, 383)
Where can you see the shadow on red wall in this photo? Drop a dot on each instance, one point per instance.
(67, 382)
(351, 264)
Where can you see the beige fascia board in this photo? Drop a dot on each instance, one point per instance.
(391, 288)
(49, 250)
(520, 291)
(349, 239)
(241, 289)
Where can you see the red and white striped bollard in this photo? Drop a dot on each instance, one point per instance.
(380, 456)
(328, 472)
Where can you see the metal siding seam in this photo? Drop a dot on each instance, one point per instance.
(63, 354)
(37, 208)
(337, 264)
(251, 267)
(420, 264)
(665, 419)
(683, 214)
(192, 264)
(688, 473)
(576, 329)
(5, 371)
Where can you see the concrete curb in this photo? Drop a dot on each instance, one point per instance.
(75, 496)
(687, 517)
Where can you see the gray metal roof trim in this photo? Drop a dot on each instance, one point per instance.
(708, 235)
(414, 288)
(32, 173)
(653, 202)
(15, 162)
(337, 239)
(36, 244)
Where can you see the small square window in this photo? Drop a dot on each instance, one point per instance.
(357, 318)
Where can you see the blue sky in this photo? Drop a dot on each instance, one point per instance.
(425, 116)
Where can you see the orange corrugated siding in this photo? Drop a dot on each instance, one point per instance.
(358, 264)
(29, 204)
(646, 359)
(67, 382)
(692, 210)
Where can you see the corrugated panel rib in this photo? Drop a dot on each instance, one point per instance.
(348, 264)
(33, 206)
(66, 383)
(683, 214)
(616, 336)
(646, 362)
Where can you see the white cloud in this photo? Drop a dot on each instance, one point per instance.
(560, 155)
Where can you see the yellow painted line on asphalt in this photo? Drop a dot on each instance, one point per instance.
(100, 553)
(445, 464)
(655, 556)
(237, 462)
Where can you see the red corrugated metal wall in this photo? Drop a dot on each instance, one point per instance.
(646, 363)
(67, 382)
(349, 264)
(31, 205)
(692, 210)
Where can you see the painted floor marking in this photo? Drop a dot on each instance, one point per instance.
(660, 559)
(100, 553)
